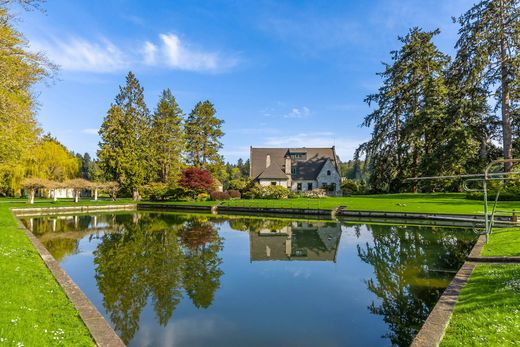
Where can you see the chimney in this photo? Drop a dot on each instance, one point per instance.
(267, 160)
(288, 165)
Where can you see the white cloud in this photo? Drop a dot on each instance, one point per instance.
(90, 131)
(296, 112)
(102, 56)
(77, 54)
(179, 55)
(150, 52)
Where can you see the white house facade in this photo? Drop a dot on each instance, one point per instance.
(299, 169)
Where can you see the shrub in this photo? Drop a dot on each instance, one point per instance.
(220, 196)
(203, 197)
(349, 187)
(238, 184)
(196, 180)
(157, 191)
(276, 192)
(234, 194)
(315, 193)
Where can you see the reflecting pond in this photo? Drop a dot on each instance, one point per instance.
(168, 279)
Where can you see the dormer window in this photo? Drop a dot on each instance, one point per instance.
(328, 172)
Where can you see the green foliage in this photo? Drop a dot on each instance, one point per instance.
(167, 138)
(203, 134)
(410, 114)
(20, 70)
(488, 59)
(51, 160)
(157, 191)
(124, 147)
(258, 191)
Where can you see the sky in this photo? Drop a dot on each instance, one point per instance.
(280, 73)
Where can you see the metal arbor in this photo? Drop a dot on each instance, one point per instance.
(486, 178)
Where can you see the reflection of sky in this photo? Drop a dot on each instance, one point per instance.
(275, 303)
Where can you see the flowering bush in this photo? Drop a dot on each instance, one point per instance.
(234, 194)
(315, 193)
(220, 196)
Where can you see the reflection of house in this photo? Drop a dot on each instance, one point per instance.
(298, 241)
(299, 169)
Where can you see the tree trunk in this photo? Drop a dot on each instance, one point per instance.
(95, 194)
(54, 194)
(507, 142)
(76, 195)
(135, 195)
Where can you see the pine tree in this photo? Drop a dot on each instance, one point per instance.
(124, 147)
(203, 134)
(167, 138)
(488, 53)
(411, 108)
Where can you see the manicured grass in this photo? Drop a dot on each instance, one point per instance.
(503, 242)
(488, 310)
(34, 308)
(452, 203)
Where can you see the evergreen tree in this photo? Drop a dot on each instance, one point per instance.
(488, 49)
(411, 109)
(203, 134)
(124, 147)
(167, 138)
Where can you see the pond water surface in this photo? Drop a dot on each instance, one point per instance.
(167, 279)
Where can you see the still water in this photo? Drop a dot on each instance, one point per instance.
(166, 279)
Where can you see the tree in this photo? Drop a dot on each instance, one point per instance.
(196, 179)
(203, 134)
(124, 145)
(488, 53)
(20, 70)
(32, 185)
(167, 138)
(410, 112)
(52, 160)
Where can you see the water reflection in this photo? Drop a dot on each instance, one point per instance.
(296, 241)
(159, 261)
(413, 266)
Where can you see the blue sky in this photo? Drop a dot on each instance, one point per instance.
(279, 73)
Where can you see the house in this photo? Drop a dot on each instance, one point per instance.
(297, 241)
(299, 169)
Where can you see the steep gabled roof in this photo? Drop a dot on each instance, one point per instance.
(273, 171)
(306, 169)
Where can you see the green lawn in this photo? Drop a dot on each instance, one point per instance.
(503, 242)
(488, 310)
(34, 308)
(452, 203)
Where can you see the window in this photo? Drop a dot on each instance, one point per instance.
(293, 171)
(328, 172)
(309, 186)
(273, 183)
(324, 185)
(299, 186)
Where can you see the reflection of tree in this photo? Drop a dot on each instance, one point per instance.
(202, 272)
(256, 224)
(60, 247)
(410, 265)
(155, 255)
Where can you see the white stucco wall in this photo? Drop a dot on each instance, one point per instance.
(279, 182)
(304, 183)
(333, 178)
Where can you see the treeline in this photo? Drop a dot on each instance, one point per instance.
(437, 115)
(139, 147)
